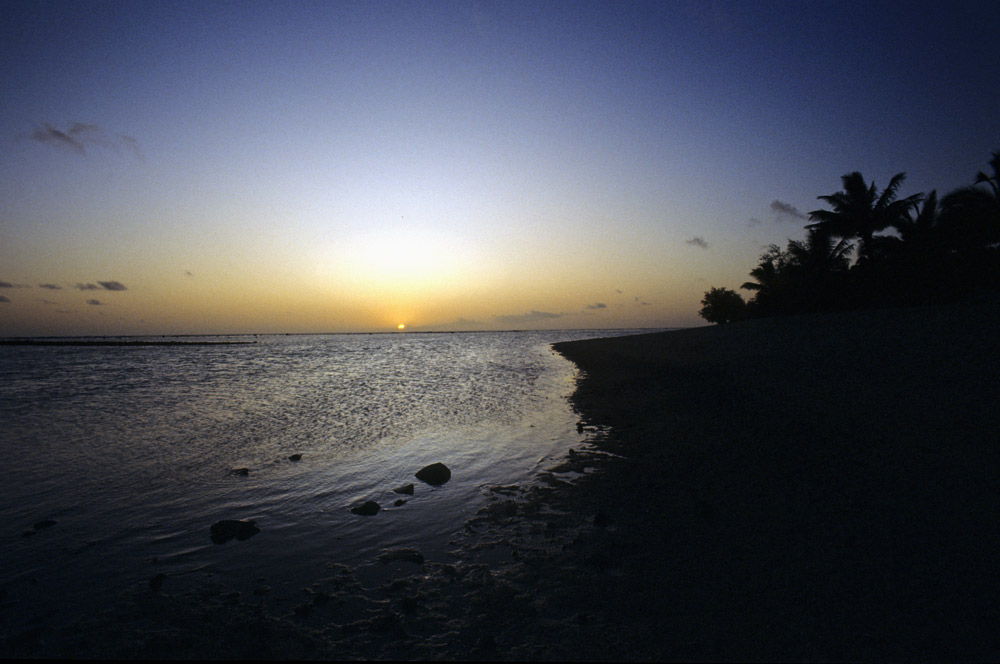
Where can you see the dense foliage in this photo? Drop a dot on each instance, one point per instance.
(935, 251)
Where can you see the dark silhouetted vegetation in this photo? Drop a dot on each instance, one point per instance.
(874, 249)
(722, 305)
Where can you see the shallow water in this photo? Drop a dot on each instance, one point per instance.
(131, 450)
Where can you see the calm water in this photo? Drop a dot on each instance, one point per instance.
(130, 451)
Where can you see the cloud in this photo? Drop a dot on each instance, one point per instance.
(87, 287)
(783, 209)
(6, 284)
(530, 317)
(188, 273)
(754, 221)
(50, 286)
(597, 305)
(697, 242)
(76, 137)
(96, 303)
(618, 290)
(79, 136)
(4, 298)
(133, 145)
(112, 285)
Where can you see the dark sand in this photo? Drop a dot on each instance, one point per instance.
(812, 488)
(809, 488)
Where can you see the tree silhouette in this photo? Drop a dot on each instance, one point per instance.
(859, 211)
(971, 215)
(942, 250)
(722, 306)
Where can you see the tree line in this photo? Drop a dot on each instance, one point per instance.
(872, 248)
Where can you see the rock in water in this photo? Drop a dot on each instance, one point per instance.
(436, 473)
(368, 509)
(227, 529)
(241, 472)
(295, 457)
(406, 488)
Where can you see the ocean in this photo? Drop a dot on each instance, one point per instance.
(117, 460)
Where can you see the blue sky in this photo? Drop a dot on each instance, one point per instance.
(341, 166)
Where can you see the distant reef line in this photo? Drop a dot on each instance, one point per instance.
(104, 342)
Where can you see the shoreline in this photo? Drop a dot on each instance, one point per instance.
(810, 488)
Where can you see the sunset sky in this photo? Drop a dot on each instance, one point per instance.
(226, 167)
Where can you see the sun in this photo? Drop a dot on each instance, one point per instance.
(401, 327)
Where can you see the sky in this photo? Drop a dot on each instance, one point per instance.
(269, 167)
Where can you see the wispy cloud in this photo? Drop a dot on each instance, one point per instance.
(87, 287)
(4, 299)
(697, 242)
(112, 285)
(6, 284)
(786, 210)
(76, 137)
(80, 136)
(530, 317)
(96, 303)
(132, 144)
(597, 305)
(50, 286)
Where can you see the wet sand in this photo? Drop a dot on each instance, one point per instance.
(809, 488)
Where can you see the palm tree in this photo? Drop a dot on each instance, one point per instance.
(820, 255)
(972, 214)
(919, 229)
(860, 211)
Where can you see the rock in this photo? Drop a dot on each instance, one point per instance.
(295, 457)
(241, 472)
(406, 488)
(436, 473)
(399, 503)
(369, 508)
(407, 554)
(227, 529)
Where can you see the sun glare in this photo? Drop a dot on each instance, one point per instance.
(401, 327)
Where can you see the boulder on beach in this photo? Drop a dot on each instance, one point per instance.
(228, 529)
(436, 473)
(241, 472)
(406, 488)
(295, 457)
(369, 508)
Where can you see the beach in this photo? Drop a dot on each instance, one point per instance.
(807, 488)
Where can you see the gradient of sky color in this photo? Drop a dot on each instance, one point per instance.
(349, 166)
